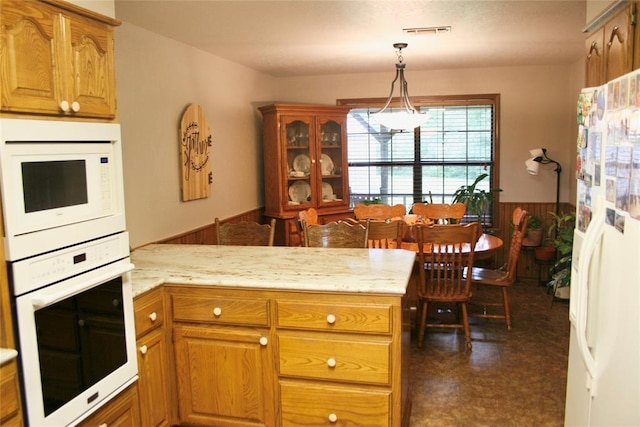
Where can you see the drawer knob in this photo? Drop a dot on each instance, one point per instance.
(333, 418)
(331, 362)
(264, 341)
(217, 311)
(103, 425)
(331, 319)
(153, 316)
(143, 349)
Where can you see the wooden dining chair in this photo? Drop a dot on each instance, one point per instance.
(384, 234)
(336, 234)
(440, 213)
(379, 211)
(309, 216)
(444, 254)
(245, 233)
(503, 277)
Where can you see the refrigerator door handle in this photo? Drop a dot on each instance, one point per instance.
(592, 238)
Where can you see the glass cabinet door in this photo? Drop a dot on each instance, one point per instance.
(331, 161)
(299, 162)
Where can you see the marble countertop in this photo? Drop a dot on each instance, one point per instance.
(7, 354)
(288, 268)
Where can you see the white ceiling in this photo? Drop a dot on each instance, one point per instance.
(313, 37)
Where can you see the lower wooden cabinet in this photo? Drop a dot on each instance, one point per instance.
(154, 375)
(225, 376)
(122, 411)
(253, 357)
(10, 412)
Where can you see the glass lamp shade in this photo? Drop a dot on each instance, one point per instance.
(532, 166)
(401, 120)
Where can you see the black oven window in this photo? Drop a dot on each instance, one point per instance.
(55, 184)
(80, 341)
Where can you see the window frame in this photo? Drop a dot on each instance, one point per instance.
(450, 100)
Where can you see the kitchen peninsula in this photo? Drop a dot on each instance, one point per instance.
(278, 335)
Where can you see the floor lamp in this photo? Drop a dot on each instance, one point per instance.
(539, 156)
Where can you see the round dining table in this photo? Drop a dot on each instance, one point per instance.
(486, 245)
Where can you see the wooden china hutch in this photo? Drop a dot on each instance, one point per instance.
(305, 165)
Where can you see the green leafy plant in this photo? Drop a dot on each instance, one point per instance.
(535, 222)
(374, 201)
(476, 199)
(534, 231)
(562, 238)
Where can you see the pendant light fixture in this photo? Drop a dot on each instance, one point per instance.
(406, 117)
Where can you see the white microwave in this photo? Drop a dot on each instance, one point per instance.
(61, 184)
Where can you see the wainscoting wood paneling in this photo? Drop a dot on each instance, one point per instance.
(206, 235)
(527, 266)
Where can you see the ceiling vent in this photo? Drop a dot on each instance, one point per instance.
(427, 30)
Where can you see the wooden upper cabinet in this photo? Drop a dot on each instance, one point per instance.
(594, 63)
(56, 60)
(618, 39)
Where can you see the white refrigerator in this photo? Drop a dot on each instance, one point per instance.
(603, 383)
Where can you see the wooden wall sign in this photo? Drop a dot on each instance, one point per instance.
(195, 142)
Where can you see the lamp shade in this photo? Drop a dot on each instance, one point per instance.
(401, 119)
(532, 166)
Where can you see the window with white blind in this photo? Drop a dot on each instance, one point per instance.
(458, 143)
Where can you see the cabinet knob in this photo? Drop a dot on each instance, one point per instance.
(103, 425)
(64, 106)
(333, 418)
(331, 319)
(264, 341)
(143, 349)
(75, 106)
(217, 311)
(153, 316)
(331, 362)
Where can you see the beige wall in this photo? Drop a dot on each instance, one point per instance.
(156, 79)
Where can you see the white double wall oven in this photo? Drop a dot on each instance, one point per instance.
(67, 253)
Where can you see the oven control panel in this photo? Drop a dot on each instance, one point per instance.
(33, 273)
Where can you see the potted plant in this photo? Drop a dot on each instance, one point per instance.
(534, 231)
(563, 242)
(475, 199)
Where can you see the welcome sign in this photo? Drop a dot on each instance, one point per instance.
(195, 144)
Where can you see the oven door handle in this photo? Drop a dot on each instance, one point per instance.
(44, 300)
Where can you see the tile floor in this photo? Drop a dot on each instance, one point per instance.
(511, 378)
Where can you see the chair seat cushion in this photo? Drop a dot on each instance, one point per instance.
(488, 276)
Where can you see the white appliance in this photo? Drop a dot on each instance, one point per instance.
(61, 182)
(67, 253)
(603, 384)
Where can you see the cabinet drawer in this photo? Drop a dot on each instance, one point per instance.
(149, 312)
(335, 317)
(323, 405)
(321, 356)
(221, 310)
